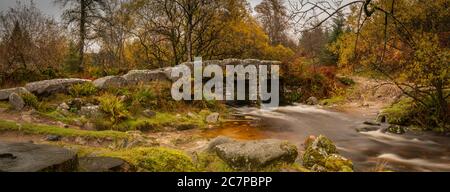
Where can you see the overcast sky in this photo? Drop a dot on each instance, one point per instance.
(49, 8)
(46, 6)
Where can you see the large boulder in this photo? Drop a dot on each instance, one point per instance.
(135, 77)
(252, 155)
(103, 164)
(53, 86)
(110, 82)
(4, 93)
(16, 101)
(28, 157)
(212, 145)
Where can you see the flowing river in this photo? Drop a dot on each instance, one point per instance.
(408, 152)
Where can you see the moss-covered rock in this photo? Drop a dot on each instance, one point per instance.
(321, 155)
(399, 113)
(338, 163)
(318, 168)
(217, 141)
(313, 156)
(325, 144)
(396, 129)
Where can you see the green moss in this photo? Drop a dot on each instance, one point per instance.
(333, 100)
(338, 163)
(68, 118)
(141, 124)
(283, 167)
(162, 120)
(325, 144)
(313, 156)
(321, 155)
(156, 159)
(209, 162)
(29, 128)
(399, 113)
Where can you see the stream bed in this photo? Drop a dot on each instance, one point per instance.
(421, 151)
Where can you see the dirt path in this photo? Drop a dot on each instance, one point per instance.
(369, 96)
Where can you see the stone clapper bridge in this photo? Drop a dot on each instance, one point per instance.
(133, 77)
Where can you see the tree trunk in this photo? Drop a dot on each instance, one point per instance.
(81, 43)
(442, 107)
(189, 39)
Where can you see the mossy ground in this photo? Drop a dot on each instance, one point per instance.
(156, 159)
(335, 100)
(399, 113)
(123, 108)
(29, 128)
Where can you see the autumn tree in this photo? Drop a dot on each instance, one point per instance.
(112, 32)
(404, 41)
(272, 14)
(32, 45)
(313, 42)
(82, 15)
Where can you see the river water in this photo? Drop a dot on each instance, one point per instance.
(408, 152)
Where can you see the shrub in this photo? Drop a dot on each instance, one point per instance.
(112, 106)
(409, 112)
(120, 91)
(82, 89)
(143, 96)
(30, 100)
(400, 113)
(163, 98)
(346, 81)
